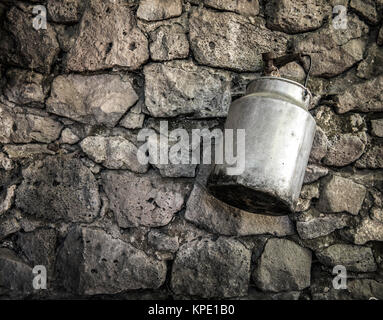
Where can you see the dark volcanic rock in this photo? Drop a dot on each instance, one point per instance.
(227, 40)
(59, 188)
(93, 262)
(143, 200)
(283, 266)
(207, 269)
(31, 48)
(108, 37)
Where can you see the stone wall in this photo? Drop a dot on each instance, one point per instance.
(75, 199)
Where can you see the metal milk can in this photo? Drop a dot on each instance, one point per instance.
(279, 135)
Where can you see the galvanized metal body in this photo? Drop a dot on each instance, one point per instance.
(279, 136)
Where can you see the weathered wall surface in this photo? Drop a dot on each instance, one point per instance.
(74, 198)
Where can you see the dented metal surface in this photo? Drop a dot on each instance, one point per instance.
(279, 136)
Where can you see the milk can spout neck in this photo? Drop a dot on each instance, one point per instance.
(284, 88)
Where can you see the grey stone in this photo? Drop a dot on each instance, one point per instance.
(15, 276)
(209, 269)
(240, 82)
(149, 26)
(344, 150)
(366, 9)
(136, 236)
(163, 242)
(379, 40)
(184, 230)
(215, 216)
(177, 170)
(308, 192)
(302, 205)
(25, 128)
(6, 201)
(296, 16)
(316, 225)
(372, 158)
(8, 225)
(293, 71)
(367, 230)
(160, 294)
(334, 124)
(153, 10)
(9, 178)
(377, 127)
(365, 97)
(283, 266)
(365, 289)
(169, 42)
(22, 151)
(320, 146)
(334, 51)
(41, 129)
(341, 194)
(92, 262)
(29, 224)
(59, 188)
(134, 119)
(183, 88)
(108, 37)
(318, 243)
(376, 198)
(346, 136)
(372, 179)
(65, 11)
(5, 162)
(314, 172)
(96, 99)
(143, 200)
(291, 295)
(244, 7)
(113, 152)
(256, 244)
(25, 87)
(66, 36)
(354, 258)
(377, 214)
(93, 167)
(322, 287)
(159, 125)
(30, 48)
(259, 295)
(179, 164)
(372, 65)
(318, 88)
(227, 40)
(69, 137)
(39, 247)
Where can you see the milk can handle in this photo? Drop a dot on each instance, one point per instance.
(308, 72)
(272, 63)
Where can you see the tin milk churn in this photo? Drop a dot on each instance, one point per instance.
(279, 133)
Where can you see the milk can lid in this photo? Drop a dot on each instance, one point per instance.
(283, 87)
